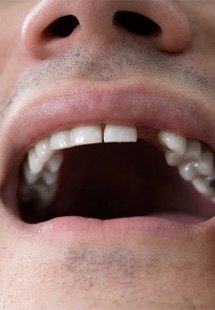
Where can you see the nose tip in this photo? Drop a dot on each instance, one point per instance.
(53, 26)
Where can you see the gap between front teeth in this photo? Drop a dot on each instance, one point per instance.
(41, 170)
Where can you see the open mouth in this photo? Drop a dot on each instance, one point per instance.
(115, 171)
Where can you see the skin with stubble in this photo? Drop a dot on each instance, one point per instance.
(91, 267)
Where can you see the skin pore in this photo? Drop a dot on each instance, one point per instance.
(84, 271)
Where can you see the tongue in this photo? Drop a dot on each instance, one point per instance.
(120, 180)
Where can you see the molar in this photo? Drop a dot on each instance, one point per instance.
(206, 163)
(193, 164)
(203, 185)
(188, 171)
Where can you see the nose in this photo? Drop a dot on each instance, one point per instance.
(53, 26)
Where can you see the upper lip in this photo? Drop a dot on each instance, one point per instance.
(65, 107)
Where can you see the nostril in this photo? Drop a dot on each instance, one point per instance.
(61, 27)
(136, 23)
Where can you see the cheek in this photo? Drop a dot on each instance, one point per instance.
(12, 15)
(9, 36)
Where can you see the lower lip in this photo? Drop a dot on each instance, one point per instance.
(121, 227)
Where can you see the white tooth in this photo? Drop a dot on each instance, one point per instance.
(192, 154)
(173, 141)
(29, 176)
(193, 151)
(34, 162)
(43, 151)
(206, 164)
(60, 140)
(188, 171)
(86, 135)
(55, 162)
(172, 158)
(193, 164)
(202, 185)
(118, 133)
(49, 177)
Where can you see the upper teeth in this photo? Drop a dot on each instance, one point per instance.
(41, 170)
(76, 136)
(117, 133)
(193, 164)
(44, 159)
(173, 141)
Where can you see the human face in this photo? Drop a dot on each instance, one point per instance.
(71, 63)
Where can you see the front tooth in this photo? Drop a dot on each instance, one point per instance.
(60, 140)
(42, 149)
(206, 164)
(118, 133)
(86, 135)
(34, 162)
(173, 141)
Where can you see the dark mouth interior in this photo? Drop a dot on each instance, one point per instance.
(116, 180)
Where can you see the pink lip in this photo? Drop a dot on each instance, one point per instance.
(64, 109)
(134, 227)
